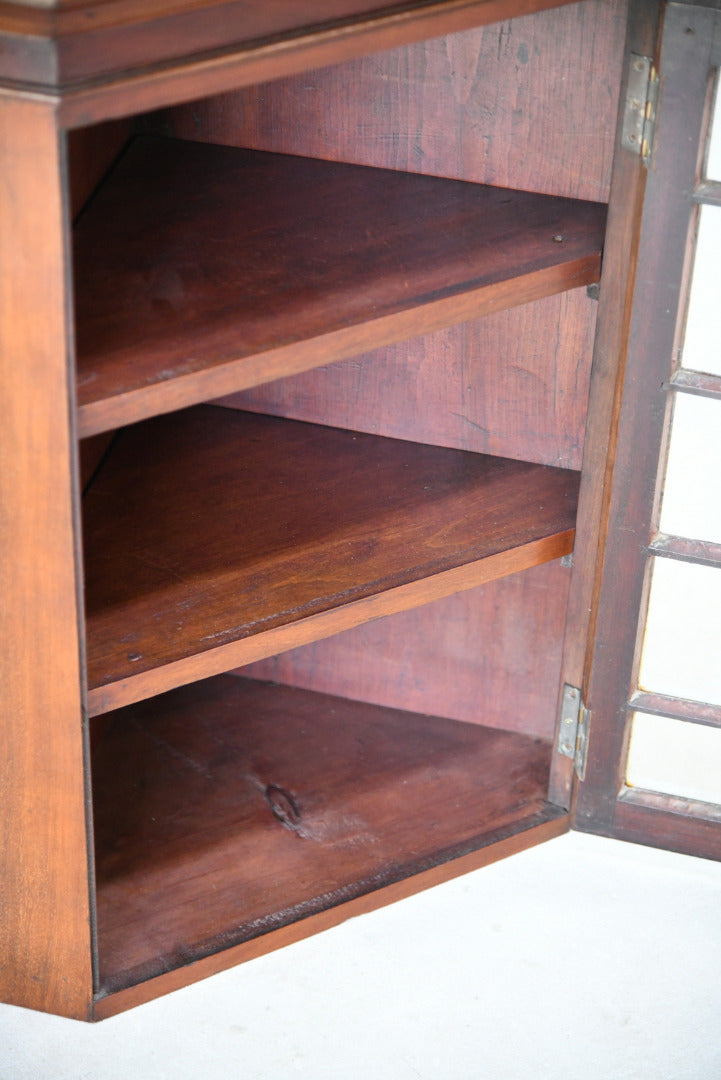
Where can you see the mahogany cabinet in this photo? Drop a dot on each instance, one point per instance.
(315, 326)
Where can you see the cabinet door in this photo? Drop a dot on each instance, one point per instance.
(654, 695)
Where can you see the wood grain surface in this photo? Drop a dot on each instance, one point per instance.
(498, 104)
(503, 384)
(211, 533)
(91, 152)
(610, 358)
(232, 816)
(45, 940)
(689, 826)
(518, 104)
(501, 843)
(690, 49)
(114, 59)
(204, 269)
(488, 656)
(231, 808)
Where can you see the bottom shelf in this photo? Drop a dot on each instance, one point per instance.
(230, 808)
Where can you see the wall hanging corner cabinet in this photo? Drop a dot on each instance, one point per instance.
(307, 457)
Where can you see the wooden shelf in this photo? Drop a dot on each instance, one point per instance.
(201, 269)
(214, 538)
(231, 808)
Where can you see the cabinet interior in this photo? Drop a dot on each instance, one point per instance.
(334, 338)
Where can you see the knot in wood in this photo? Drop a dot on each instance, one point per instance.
(283, 806)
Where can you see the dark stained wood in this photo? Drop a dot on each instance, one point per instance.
(679, 708)
(91, 453)
(696, 382)
(516, 382)
(105, 42)
(45, 946)
(100, 41)
(492, 105)
(680, 547)
(507, 384)
(91, 151)
(500, 844)
(142, 57)
(488, 656)
(666, 821)
(214, 538)
(709, 192)
(610, 357)
(170, 519)
(203, 269)
(231, 808)
(666, 240)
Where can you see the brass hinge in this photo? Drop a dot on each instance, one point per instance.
(573, 729)
(639, 117)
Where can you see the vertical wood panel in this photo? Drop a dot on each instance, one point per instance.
(45, 955)
(665, 239)
(91, 151)
(609, 364)
(517, 104)
(529, 103)
(500, 385)
(490, 656)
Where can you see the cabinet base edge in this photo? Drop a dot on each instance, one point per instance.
(552, 821)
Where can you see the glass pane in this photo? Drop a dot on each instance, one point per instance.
(702, 344)
(681, 654)
(675, 757)
(692, 490)
(713, 164)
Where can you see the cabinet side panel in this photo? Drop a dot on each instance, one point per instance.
(91, 151)
(45, 954)
(467, 657)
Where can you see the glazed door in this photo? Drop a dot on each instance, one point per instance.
(654, 686)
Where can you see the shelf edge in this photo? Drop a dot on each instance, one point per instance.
(545, 825)
(101, 699)
(106, 414)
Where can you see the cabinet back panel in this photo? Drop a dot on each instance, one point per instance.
(500, 385)
(529, 103)
(519, 104)
(490, 656)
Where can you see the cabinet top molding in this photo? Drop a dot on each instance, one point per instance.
(107, 58)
